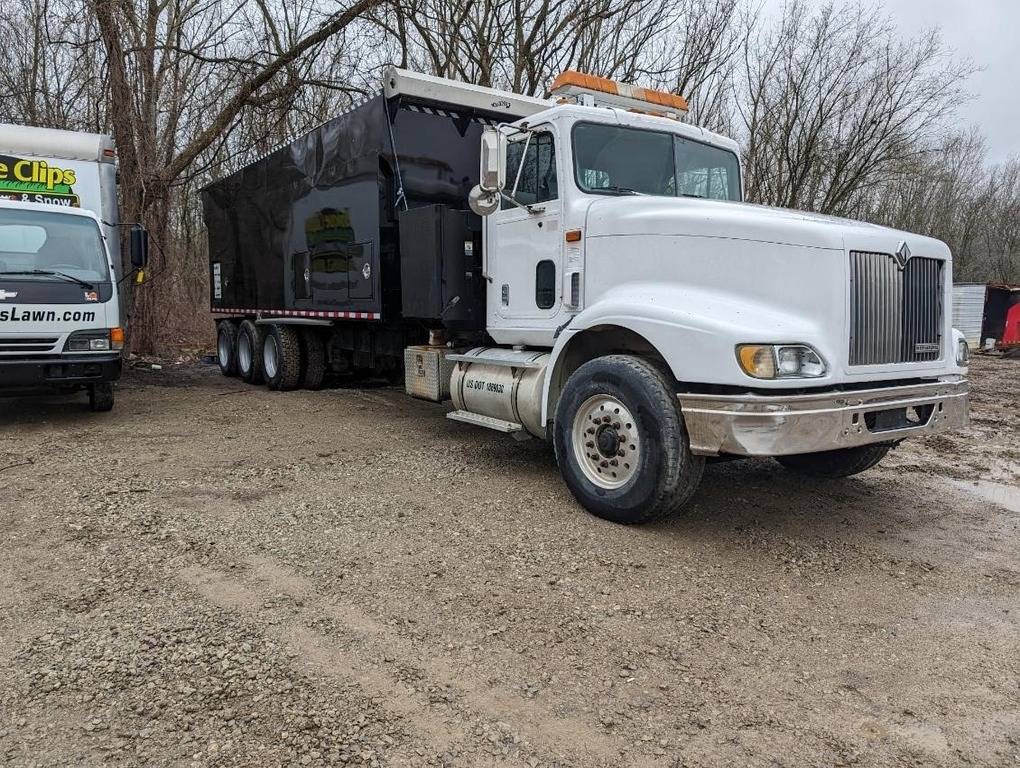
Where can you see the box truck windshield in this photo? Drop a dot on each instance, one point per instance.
(46, 246)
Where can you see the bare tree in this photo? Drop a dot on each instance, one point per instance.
(521, 45)
(52, 75)
(181, 75)
(833, 101)
(1000, 235)
(942, 192)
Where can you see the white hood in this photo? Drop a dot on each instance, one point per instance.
(694, 217)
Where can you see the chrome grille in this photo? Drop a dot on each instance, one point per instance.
(22, 344)
(895, 313)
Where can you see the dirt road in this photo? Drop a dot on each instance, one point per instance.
(215, 574)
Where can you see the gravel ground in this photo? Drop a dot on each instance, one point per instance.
(215, 574)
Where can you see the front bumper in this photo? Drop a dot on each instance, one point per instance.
(762, 425)
(59, 372)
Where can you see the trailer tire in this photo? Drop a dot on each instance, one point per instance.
(281, 357)
(313, 359)
(249, 352)
(101, 396)
(661, 474)
(832, 465)
(226, 347)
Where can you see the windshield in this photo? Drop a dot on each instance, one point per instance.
(51, 242)
(610, 159)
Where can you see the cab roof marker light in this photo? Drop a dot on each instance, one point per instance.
(614, 94)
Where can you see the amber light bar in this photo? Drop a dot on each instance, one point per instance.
(607, 92)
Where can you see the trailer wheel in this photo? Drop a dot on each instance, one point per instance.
(832, 465)
(281, 357)
(621, 442)
(226, 347)
(313, 359)
(101, 396)
(249, 352)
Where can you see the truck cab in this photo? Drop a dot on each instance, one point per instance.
(618, 240)
(61, 317)
(59, 309)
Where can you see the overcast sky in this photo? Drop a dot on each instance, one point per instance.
(987, 31)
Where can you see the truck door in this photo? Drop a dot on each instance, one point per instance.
(525, 247)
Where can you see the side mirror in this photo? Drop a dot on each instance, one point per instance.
(493, 160)
(139, 246)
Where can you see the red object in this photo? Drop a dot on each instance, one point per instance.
(1011, 333)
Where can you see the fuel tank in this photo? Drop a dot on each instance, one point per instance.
(503, 384)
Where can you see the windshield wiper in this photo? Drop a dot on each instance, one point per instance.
(618, 190)
(691, 194)
(53, 273)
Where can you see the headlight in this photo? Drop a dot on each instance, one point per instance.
(780, 361)
(99, 340)
(962, 353)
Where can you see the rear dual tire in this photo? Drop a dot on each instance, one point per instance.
(226, 347)
(281, 357)
(249, 352)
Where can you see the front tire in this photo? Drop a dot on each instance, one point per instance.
(101, 396)
(832, 465)
(621, 443)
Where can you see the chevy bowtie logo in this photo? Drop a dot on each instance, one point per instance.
(7, 294)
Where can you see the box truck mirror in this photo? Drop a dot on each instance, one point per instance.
(139, 246)
(493, 160)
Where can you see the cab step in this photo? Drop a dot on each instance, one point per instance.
(507, 427)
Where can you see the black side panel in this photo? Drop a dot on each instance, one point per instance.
(440, 266)
(438, 156)
(299, 229)
(313, 226)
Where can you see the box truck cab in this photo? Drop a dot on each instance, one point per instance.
(60, 313)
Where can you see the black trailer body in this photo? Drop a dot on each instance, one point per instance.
(313, 228)
(344, 247)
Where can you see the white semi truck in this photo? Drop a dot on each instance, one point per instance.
(611, 291)
(60, 314)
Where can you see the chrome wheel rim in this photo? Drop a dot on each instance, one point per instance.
(244, 353)
(270, 355)
(607, 445)
(223, 349)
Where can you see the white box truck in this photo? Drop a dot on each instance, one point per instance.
(60, 313)
(608, 289)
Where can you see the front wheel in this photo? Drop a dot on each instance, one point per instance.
(832, 465)
(621, 442)
(101, 396)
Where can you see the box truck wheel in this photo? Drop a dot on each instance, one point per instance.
(249, 352)
(226, 347)
(621, 442)
(281, 357)
(831, 465)
(313, 359)
(101, 396)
